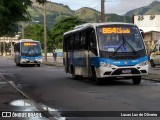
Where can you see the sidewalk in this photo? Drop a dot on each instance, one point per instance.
(51, 62)
(154, 74)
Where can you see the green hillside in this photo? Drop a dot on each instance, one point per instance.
(153, 8)
(55, 11)
(88, 14)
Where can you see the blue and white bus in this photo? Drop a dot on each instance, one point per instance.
(105, 50)
(27, 51)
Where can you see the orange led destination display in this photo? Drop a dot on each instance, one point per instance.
(29, 44)
(118, 30)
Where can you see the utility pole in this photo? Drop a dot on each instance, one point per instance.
(102, 11)
(22, 30)
(45, 34)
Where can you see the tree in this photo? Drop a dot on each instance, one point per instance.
(63, 25)
(12, 12)
(34, 32)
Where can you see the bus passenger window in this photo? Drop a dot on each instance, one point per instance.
(71, 47)
(83, 40)
(77, 41)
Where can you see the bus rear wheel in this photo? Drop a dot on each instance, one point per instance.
(74, 76)
(136, 80)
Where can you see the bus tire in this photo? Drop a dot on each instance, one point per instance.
(98, 81)
(152, 63)
(17, 64)
(38, 65)
(136, 80)
(21, 65)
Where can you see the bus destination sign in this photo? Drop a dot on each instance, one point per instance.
(116, 30)
(29, 44)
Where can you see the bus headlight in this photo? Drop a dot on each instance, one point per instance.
(103, 64)
(24, 60)
(39, 60)
(143, 63)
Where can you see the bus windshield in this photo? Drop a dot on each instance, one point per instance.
(31, 49)
(119, 39)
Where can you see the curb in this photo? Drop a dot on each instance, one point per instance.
(53, 64)
(152, 77)
(46, 114)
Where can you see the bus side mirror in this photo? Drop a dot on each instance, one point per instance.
(142, 33)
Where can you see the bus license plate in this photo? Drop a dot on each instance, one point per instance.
(126, 71)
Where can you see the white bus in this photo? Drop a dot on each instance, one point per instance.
(105, 50)
(27, 51)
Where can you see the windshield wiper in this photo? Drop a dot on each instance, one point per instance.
(28, 51)
(123, 43)
(119, 46)
(131, 47)
(35, 51)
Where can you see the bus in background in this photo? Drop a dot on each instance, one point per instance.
(105, 50)
(27, 51)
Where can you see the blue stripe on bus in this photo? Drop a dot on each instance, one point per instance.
(31, 58)
(96, 61)
(81, 62)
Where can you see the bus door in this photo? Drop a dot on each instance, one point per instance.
(65, 52)
(92, 49)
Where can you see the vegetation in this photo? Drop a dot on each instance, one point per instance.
(63, 25)
(11, 12)
(151, 9)
(35, 32)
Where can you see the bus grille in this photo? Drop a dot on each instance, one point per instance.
(119, 71)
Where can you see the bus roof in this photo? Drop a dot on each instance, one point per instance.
(27, 40)
(94, 25)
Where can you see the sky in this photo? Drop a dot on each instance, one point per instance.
(119, 7)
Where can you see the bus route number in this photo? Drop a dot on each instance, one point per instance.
(119, 30)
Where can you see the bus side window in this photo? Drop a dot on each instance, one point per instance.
(76, 41)
(17, 47)
(83, 40)
(72, 39)
(92, 41)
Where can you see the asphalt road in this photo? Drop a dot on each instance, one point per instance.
(51, 86)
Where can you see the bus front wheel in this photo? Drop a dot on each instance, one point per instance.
(98, 81)
(17, 64)
(136, 80)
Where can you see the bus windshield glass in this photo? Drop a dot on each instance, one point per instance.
(120, 39)
(31, 49)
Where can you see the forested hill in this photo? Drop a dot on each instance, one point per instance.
(55, 11)
(153, 8)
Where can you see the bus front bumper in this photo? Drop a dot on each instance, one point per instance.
(26, 61)
(128, 71)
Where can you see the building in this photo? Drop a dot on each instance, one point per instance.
(6, 45)
(150, 39)
(150, 24)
